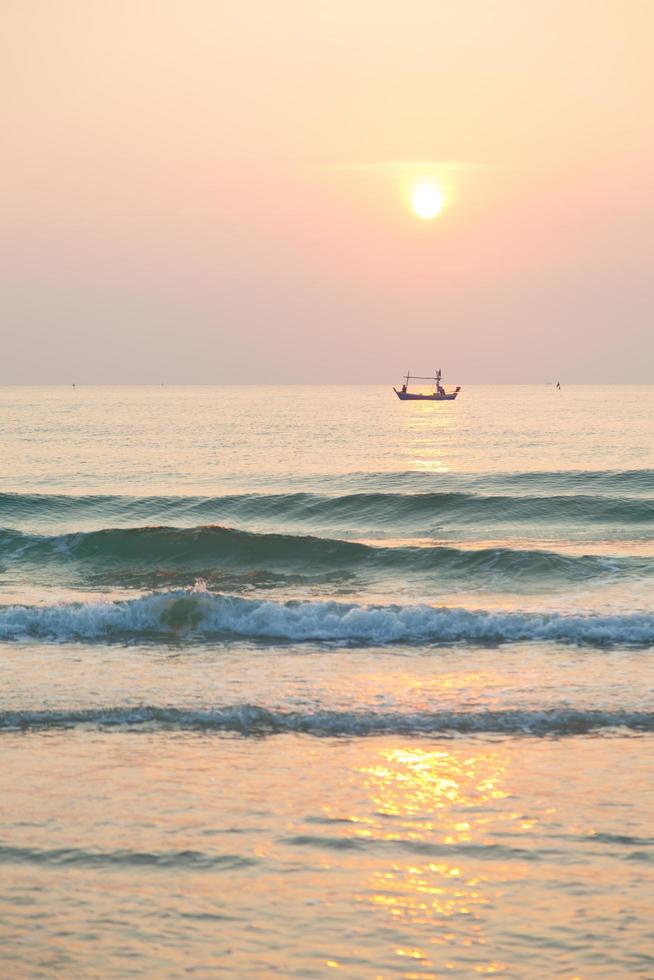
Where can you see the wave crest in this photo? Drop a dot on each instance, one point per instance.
(194, 548)
(203, 615)
(460, 503)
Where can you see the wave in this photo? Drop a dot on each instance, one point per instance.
(197, 615)
(194, 549)
(254, 720)
(366, 510)
(634, 481)
(79, 857)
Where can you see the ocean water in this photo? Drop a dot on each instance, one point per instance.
(308, 682)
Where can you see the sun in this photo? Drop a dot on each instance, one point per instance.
(427, 199)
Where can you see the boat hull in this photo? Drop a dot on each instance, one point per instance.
(407, 396)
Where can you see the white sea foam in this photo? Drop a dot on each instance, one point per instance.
(200, 614)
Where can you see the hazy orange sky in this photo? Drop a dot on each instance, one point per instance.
(207, 191)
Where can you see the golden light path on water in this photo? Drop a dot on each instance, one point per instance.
(429, 429)
(435, 796)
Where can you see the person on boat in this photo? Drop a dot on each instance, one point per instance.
(404, 389)
(440, 390)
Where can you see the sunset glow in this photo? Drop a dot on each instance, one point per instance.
(194, 150)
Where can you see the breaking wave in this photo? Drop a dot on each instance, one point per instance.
(203, 615)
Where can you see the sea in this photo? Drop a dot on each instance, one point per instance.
(307, 682)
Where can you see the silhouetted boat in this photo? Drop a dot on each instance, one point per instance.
(439, 393)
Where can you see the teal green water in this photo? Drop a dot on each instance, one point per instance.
(300, 680)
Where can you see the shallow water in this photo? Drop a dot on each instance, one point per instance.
(295, 681)
(166, 853)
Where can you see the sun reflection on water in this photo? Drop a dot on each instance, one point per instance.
(437, 804)
(415, 784)
(427, 427)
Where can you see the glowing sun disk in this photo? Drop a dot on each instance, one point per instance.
(427, 200)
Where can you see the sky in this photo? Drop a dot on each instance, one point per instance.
(213, 191)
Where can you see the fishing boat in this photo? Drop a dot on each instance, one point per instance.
(439, 394)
